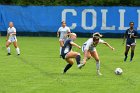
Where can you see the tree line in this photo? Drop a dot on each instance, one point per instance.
(72, 2)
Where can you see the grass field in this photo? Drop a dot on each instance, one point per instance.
(39, 69)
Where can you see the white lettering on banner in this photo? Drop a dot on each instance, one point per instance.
(104, 27)
(138, 11)
(74, 13)
(94, 19)
(122, 11)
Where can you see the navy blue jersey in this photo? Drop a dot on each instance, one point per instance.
(67, 47)
(128, 35)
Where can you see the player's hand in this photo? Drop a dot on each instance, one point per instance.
(84, 61)
(132, 36)
(79, 47)
(11, 34)
(112, 48)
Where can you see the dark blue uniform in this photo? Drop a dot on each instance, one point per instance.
(130, 40)
(66, 48)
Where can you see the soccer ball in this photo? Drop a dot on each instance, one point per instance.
(118, 71)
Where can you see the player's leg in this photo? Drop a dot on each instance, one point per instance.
(69, 65)
(94, 54)
(17, 48)
(126, 51)
(61, 42)
(8, 48)
(132, 52)
(75, 55)
(88, 54)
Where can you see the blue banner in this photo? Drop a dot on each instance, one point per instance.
(85, 19)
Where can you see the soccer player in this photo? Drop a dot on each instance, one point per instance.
(130, 36)
(89, 50)
(63, 31)
(11, 38)
(68, 54)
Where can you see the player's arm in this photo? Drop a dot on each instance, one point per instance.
(58, 33)
(7, 36)
(108, 45)
(89, 43)
(74, 44)
(13, 33)
(135, 35)
(67, 34)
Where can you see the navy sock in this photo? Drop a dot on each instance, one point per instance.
(126, 54)
(68, 66)
(78, 58)
(132, 55)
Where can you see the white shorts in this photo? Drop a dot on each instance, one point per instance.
(12, 39)
(62, 39)
(133, 44)
(91, 49)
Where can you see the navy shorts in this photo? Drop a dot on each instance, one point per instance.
(64, 55)
(130, 43)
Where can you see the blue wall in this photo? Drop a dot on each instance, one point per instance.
(85, 19)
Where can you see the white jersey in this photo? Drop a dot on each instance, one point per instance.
(63, 32)
(12, 38)
(89, 44)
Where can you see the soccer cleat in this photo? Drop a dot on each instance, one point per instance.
(130, 60)
(18, 54)
(80, 66)
(99, 73)
(63, 72)
(8, 54)
(125, 59)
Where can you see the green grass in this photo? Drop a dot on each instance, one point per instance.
(38, 69)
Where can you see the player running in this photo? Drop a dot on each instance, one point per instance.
(11, 38)
(131, 35)
(68, 54)
(63, 31)
(89, 49)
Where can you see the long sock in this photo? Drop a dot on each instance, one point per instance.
(132, 55)
(68, 66)
(98, 65)
(126, 54)
(78, 58)
(18, 51)
(8, 49)
(60, 50)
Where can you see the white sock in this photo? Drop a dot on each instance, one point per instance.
(8, 49)
(18, 51)
(98, 65)
(60, 50)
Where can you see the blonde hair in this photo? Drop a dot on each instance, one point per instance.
(72, 34)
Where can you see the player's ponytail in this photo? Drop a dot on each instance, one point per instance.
(97, 34)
